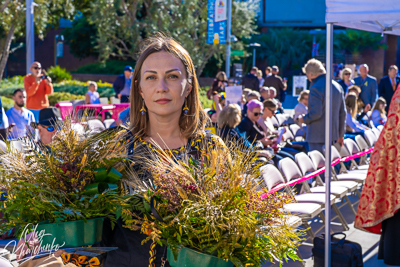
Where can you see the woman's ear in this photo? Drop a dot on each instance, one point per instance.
(140, 89)
(189, 90)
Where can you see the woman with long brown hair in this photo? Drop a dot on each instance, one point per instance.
(166, 114)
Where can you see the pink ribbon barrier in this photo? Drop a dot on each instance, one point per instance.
(317, 172)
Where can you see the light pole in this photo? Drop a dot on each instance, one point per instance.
(58, 48)
(228, 40)
(30, 34)
(254, 45)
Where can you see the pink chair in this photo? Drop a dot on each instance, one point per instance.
(118, 109)
(66, 109)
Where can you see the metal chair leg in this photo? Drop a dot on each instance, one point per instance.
(350, 205)
(341, 218)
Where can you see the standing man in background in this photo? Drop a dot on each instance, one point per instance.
(315, 118)
(122, 85)
(37, 86)
(251, 81)
(276, 81)
(368, 85)
(388, 85)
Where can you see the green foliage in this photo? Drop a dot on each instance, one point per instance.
(109, 67)
(284, 47)
(81, 38)
(186, 21)
(83, 89)
(62, 96)
(205, 102)
(214, 206)
(7, 103)
(16, 81)
(58, 74)
(355, 41)
(50, 183)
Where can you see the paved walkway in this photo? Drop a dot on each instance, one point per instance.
(369, 242)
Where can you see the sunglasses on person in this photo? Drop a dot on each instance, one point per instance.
(37, 68)
(272, 110)
(346, 73)
(48, 128)
(257, 114)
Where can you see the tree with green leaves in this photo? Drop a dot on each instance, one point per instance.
(122, 24)
(12, 21)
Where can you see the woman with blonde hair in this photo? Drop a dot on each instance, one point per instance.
(352, 125)
(301, 108)
(345, 79)
(166, 114)
(260, 78)
(378, 116)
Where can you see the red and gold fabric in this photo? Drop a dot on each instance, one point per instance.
(380, 198)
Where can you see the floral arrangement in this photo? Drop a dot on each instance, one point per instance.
(210, 201)
(75, 178)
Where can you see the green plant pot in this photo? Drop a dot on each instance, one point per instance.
(191, 258)
(74, 233)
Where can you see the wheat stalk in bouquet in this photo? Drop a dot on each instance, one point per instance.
(210, 201)
(46, 184)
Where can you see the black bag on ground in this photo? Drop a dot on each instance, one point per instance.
(343, 253)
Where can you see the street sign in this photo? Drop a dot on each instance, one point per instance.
(238, 53)
(216, 21)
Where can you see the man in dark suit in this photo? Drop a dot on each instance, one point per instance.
(277, 82)
(251, 81)
(315, 118)
(388, 85)
(122, 85)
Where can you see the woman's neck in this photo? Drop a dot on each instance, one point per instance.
(165, 131)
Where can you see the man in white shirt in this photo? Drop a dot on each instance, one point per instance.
(19, 115)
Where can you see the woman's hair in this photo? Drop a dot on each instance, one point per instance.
(230, 116)
(314, 66)
(259, 74)
(345, 70)
(191, 124)
(354, 87)
(377, 105)
(269, 103)
(254, 94)
(246, 92)
(303, 94)
(351, 104)
(221, 76)
(90, 83)
(254, 104)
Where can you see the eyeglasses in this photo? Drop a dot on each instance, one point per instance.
(257, 114)
(48, 128)
(272, 110)
(346, 73)
(37, 68)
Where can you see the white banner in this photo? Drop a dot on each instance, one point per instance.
(299, 84)
(233, 94)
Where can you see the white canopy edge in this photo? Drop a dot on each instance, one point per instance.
(382, 16)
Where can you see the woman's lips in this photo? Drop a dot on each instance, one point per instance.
(163, 101)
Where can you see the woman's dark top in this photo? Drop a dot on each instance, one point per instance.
(252, 130)
(228, 134)
(344, 85)
(130, 251)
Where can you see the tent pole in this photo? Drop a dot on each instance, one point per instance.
(328, 141)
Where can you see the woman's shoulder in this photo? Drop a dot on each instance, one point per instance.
(206, 139)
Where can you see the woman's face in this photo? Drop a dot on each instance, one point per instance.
(382, 106)
(163, 84)
(254, 115)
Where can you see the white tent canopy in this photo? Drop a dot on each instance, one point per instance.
(381, 16)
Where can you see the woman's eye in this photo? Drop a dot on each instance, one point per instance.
(173, 76)
(150, 78)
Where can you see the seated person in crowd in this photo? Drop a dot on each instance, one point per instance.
(92, 96)
(352, 125)
(123, 117)
(301, 108)
(48, 124)
(378, 116)
(252, 95)
(272, 95)
(264, 92)
(250, 126)
(260, 78)
(19, 116)
(345, 80)
(218, 85)
(265, 121)
(362, 109)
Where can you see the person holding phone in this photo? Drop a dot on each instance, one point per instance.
(37, 86)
